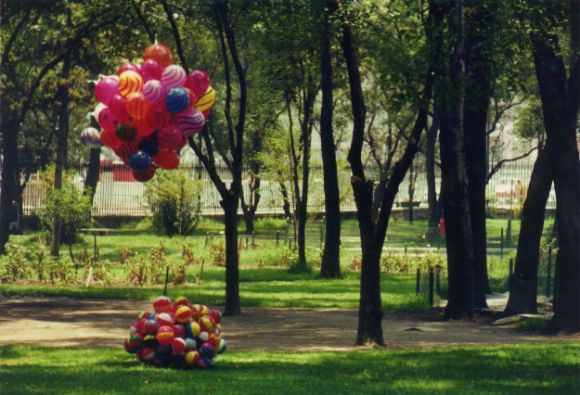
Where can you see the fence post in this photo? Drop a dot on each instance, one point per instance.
(511, 274)
(438, 280)
(549, 272)
(246, 241)
(431, 278)
(508, 233)
(277, 238)
(501, 245)
(418, 282)
(321, 232)
(254, 239)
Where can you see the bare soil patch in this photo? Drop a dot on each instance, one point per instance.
(95, 323)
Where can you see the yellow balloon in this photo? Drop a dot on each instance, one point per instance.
(130, 82)
(206, 101)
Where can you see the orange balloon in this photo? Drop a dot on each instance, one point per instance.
(129, 82)
(137, 105)
(160, 53)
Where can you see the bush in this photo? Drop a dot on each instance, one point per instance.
(14, 266)
(68, 203)
(173, 199)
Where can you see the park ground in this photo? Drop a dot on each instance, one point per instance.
(296, 334)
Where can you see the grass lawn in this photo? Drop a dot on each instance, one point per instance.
(273, 288)
(522, 369)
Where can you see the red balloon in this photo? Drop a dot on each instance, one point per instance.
(167, 159)
(192, 97)
(151, 69)
(145, 175)
(127, 66)
(110, 139)
(160, 53)
(107, 120)
(198, 82)
(170, 138)
(158, 118)
(137, 105)
(117, 106)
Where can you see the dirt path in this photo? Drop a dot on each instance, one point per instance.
(105, 323)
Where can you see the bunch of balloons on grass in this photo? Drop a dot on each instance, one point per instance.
(146, 112)
(177, 334)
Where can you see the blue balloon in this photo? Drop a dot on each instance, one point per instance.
(176, 100)
(140, 161)
(150, 145)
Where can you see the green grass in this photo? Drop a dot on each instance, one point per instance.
(272, 288)
(523, 369)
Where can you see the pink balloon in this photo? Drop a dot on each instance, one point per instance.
(106, 88)
(158, 118)
(170, 138)
(155, 92)
(107, 120)
(198, 82)
(151, 70)
(190, 122)
(117, 106)
(127, 66)
(173, 76)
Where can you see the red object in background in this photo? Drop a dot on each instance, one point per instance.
(442, 226)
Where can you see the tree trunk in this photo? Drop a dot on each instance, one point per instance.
(232, 306)
(455, 199)
(411, 192)
(524, 283)
(93, 170)
(330, 267)
(286, 201)
(432, 201)
(480, 20)
(9, 194)
(61, 152)
(560, 100)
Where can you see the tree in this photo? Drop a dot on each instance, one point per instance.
(560, 98)
(372, 233)
(330, 267)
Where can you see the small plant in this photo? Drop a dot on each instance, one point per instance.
(218, 253)
(289, 257)
(356, 264)
(101, 272)
(125, 254)
(137, 270)
(188, 256)
(14, 264)
(60, 269)
(179, 272)
(157, 264)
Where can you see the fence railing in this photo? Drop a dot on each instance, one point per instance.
(118, 194)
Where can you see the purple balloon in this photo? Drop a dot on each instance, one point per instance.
(106, 88)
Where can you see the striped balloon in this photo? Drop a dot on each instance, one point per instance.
(91, 138)
(177, 100)
(137, 105)
(129, 82)
(125, 132)
(190, 122)
(173, 76)
(125, 150)
(206, 101)
(153, 90)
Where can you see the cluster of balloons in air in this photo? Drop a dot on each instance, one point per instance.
(146, 112)
(177, 334)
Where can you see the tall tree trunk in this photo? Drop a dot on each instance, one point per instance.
(285, 200)
(61, 152)
(480, 21)
(230, 206)
(524, 283)
(330, 267)
(9, 195)
(455, 194)
(432, 201)
(560, 100)
(411, 192)
(93, 170)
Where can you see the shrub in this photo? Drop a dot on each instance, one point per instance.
(173, 199)
(157, 264)
(137, 269)
(68, 203)
(14, 266)
(125, 254)
(60, 269)
(218, 253)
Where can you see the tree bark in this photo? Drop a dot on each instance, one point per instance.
(61, 152)
(480, 21)
(524, 283)
(93, 170)
(9, 195)
(230, 206)
(330, 267)
(432, 201)
(455, 194)
(560, 100)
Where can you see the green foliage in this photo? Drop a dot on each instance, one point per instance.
(408, 263)
(60, 270)
(218, 253)
(173, 200)
(68, 203)
(13, 264)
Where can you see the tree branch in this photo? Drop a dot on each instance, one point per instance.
(143, 21)
(176, 35)
(499, 164)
